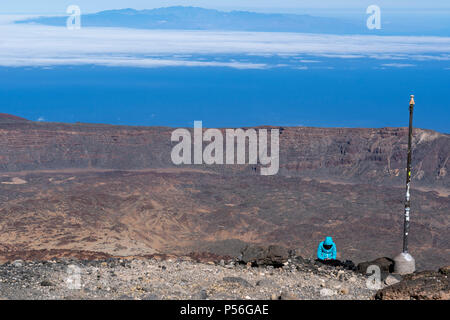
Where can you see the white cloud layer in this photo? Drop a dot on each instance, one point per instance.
(36, 45)
(398, 65)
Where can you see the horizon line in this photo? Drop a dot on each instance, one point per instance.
(26, 121)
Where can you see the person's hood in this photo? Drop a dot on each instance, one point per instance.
(328, 241)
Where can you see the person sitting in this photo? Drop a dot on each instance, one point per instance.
(326, 250)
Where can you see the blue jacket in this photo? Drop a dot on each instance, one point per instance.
(323, 253)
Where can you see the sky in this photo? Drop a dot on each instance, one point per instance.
(88, 6)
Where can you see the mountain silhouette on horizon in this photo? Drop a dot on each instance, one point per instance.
(195, 18)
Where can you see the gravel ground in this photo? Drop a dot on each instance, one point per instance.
(181, 278)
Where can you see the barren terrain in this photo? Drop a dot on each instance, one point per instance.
(113, 190)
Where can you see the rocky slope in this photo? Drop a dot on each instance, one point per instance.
(350, 155)
(113, 190)
(11, 119)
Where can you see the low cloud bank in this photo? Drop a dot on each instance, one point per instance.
(36, 45)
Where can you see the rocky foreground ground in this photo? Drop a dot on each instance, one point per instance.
(184, 278)
(177, 279)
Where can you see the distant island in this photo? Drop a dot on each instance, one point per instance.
(194, 18)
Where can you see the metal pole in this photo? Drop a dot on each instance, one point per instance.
(408, 178)
(404, 262)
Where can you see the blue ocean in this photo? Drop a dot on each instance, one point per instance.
(328, 93)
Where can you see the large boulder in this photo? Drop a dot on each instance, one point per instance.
(425, 285)
(386, 265)
(273, 255)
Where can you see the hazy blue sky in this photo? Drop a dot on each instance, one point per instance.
(59, 6)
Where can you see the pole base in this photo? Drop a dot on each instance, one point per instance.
(404, 263)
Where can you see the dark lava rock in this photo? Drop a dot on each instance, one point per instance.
(264, 283)
(425, 285)
(445, 270)
(386, 265)
(273, 255)
(241, 281)
(347, 264)
(203, 295)
(46, 283)
(287, 296)
(299, 259)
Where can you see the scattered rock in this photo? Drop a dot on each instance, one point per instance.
(238, 280)
(288, 296)
(203, 295)
(445, 270)
(426, 285)
(264, 283)
(344, 291)
(17, 263)
(386, 265)
(46, 283)
(273, 255)
(391, 280)
(224, 296)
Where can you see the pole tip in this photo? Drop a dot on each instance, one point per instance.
(412, 100)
